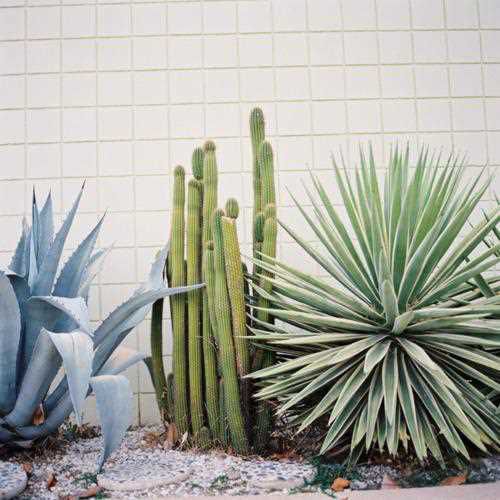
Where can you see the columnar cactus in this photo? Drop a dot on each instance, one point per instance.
(235, 417)
(213, 253)
(194, 306)
(178, 304)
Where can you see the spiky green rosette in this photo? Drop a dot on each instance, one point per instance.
(194, 306)
(178, 304)
(208, 273)
(398, 341)
(227, 352)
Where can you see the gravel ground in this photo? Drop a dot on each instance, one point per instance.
(143, 463)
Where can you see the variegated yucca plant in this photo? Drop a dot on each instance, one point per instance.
(397, 343)
(51, 358)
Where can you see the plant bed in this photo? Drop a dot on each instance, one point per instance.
(65, 469)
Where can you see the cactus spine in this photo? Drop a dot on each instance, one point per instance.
(194, 306)
(178, 303)
(234, 412)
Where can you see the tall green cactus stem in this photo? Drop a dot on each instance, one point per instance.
(197, 163)
(170, 396)
(235, 416)
(209, 346)
(223, 430)
(209, 328)
(266, 163)
(178, 303)
(194, 306)
(157, 368)
(236, 289)
(262, 358)
(257, 135)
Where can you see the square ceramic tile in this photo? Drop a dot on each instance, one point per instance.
(185, 17)
(427, 14)
(186, 86)
(325, 48)
(221, 85)
(185, 52)
(114, 88)
(257, 84)
(292, 83)
(468, 114)
(149, 19)
(363, 116)
(43, 125)
(429, 46)
(395, 47)
(254, 16)
(327, 83)
(362, 82)
(219, 17)
(79, 124)
(397, 81)
(12, 55)
(78, 21)
(12, 89)
(433, 115)
(79, 89)
(78, 55)
(255, 50)
(220, 51)
(114, 20)
(359, 14)
(289, 15)
(43, 91)
(324, 16)
(151, 122)
(461, 14)
(150, 53)
(489, 13)
(393, 14)
(466, 80)
(43, 56)
(463, 46)
(150, 87)
(361, 48)
(114, 54)
(44, 22)
(12, 24)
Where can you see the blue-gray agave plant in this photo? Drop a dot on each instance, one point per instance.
(45, 325)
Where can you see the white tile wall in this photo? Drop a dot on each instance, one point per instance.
(119, 91)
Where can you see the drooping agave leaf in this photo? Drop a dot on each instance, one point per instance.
(45, 312)
(411, 305)
(75, 349)
(120, 360)
(114, 397)
(10, 332)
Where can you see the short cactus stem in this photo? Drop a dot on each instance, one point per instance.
(266, 163)
(197, 163)
(178, 302)
(235, 415)
(194, 306)
(236, 289)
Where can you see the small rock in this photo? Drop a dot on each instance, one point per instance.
(277, 484)
(13, 480)
(232, 474)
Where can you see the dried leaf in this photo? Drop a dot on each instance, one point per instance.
(28, 468)
(39, 416)
(454, 480)
(172, 437)
(51, 480)
(68, 497)
(388, 483)
(340, 484)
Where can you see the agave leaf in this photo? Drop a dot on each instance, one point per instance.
(120, 360)
(48, 269)
(45, 229)
(93, 268)
(76, 351)
(114, 406)
(10, 332)
(18, 263)
(70, 279)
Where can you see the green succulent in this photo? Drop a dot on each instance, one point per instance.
(397, 342)
(45, 330)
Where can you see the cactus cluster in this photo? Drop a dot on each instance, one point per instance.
(208, 395)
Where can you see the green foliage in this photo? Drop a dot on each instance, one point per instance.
(397, 344)
(45, 326)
